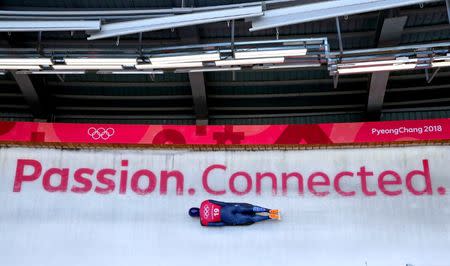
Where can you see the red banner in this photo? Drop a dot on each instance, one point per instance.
(319, 134)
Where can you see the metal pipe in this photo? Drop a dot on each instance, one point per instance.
(224, 44)
(136, 26)
(91, 17)
(338, 28)
(131, 12)
(430, 79)
(310, 42)
(232, 37)
(67, 13)
(324, 10)
(33, 25)
(447, 3)
(397, 48)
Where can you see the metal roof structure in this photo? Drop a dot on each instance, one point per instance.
(246, 96)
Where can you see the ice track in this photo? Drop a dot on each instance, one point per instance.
(69, 229)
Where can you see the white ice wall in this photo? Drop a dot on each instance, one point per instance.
(64, 228)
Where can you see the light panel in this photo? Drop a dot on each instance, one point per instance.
(100, 61)
(131, 72)
(237, 62)
(87, 67)
(45, 72)
(441, 64)
(169, 66)
(212, 69)
(375, 63)
(284, 66)
(270, 53)
(215, 69)
(360, 70)
(185, 58)
(49, 25)
(19, 67)
(26, 61)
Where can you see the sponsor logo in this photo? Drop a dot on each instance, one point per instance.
(101, 133)
(206, 211)
(348, 183)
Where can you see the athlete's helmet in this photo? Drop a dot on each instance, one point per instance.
(194, 212)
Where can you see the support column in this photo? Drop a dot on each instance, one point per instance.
(390, 35)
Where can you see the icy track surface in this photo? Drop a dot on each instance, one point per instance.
(38, 227)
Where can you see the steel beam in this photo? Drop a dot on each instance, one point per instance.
(447, 2)
(285, 95)
(29, 93)
(390, 35)
(177, 9)
(253, 116)
(152, 24)
(119, 97)
(417, 102)
(199, 97)
(197, 79)
(417, 109)
(123, 109)
(287, 108)
(187, 117)
(324, 10)
(117, 84)
(128, 118)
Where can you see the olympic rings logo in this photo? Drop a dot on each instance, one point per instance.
(100, 133)
(206, 211)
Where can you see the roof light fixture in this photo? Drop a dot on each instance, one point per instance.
(361, 70)
(52, 72)
(131, 72)
(185, 58)
(269, 53)
(255, 61)
(100, 61)
(26, 61)
(375, 63)
(48, 25)
(284, 66)
(19, 67)
(87, 67)
(211, 69)
(169, 66)
(441, 64)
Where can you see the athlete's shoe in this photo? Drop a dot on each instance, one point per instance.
(274, 211)
(275, 216)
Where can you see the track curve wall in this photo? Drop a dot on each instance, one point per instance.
(380, 206)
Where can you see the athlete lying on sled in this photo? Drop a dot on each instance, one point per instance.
(216, 213)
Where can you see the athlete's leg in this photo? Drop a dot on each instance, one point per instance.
(246, 219)
(260, 209)
(249, 208)
(243, 219)
(259, 218)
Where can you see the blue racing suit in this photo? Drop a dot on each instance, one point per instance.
(234, 213)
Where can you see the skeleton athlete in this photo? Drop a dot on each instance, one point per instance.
(217, 213)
